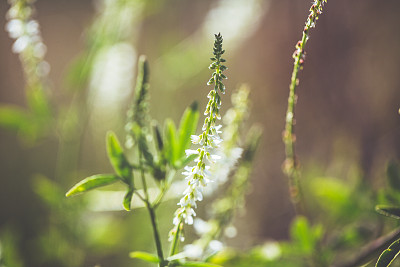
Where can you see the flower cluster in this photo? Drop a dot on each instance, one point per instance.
(198, 176)
(291, 164)
(231, 152)
(315, 11)
(28, 41)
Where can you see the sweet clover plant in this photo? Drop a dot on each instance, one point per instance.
(332, 226)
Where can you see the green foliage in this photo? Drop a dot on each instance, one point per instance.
(118, 159)
(144, 256)
(128, 198)
(187, 127)
(304, 236)
(177, 141)
(92, 182)
(16, 119)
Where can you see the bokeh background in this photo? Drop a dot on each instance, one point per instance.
(347, 123)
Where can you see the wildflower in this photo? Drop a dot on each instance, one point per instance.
(26, 33)
(209, 140)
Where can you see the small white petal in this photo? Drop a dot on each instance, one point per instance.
(193, 251)
(230, 231)
(216, 245)
(176, 221)
(32, 27)
(15, 28)
(20, 44)
(189, 220)
(191, 152)
(201, 227)
(195, 139)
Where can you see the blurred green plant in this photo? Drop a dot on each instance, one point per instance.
(159, 156)
(36, 121)
(291, 164)
(337, 222)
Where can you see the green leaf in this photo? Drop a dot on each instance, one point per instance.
(198, 264)
(393, 175)
(389, 255)
(92, 182)
(171, 146)
(117, 158)
(187, 127)
(144, 256)
(141, 139)
(185, 161)
(302, 234)
(389, 211)
(128, 199)
(38, 103)
(158, 137)
(14, 118)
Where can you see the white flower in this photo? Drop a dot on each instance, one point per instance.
(195, 139)
(15, 28)
(201, 227)
(21, 44)
(190, 152)
(199, 176)
(193, 251)
(215, 246)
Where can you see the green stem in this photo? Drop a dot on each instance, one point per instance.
(291, 165)
(165, 186)
(175, 240)
(156, 234)
(152, 214)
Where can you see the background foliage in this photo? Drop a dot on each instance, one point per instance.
(347, 123)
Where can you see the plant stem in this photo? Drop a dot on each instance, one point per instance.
(156, 234)
(291, 164)
(152, 214)
(175, 240)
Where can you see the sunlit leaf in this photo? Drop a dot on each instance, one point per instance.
(128, 199)
(14, 118)
(92, 182)
(389, 255)
(144, 256)
(170, 141)
(187, 127)
(117, 158)
(302, 234)
(389, 211)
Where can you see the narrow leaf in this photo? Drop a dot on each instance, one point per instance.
(388, 211)
(117, 158)
(144, 256)
(187, 127)
(170, 141)
(14, 118)
(128, 199)
(92, 182)
(389, 255)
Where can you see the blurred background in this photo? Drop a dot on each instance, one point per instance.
(347, 123)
